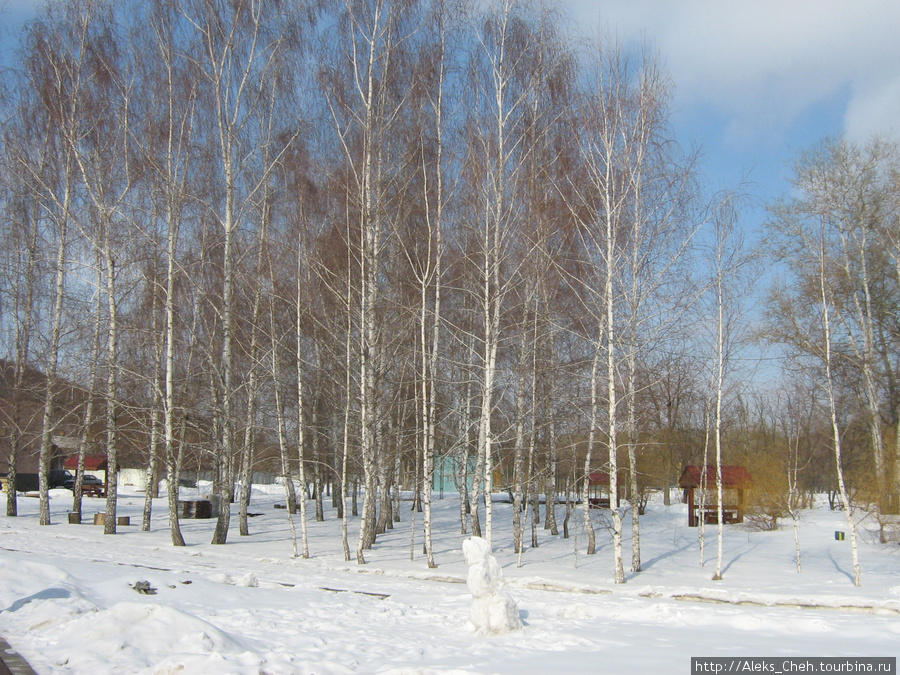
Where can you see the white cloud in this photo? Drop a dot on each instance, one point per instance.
(876, 111)
(761, 65)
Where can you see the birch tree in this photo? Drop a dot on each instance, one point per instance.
(104, 157)
(168, 154)
(508, 35)
(844, 189)
(729, 264)
(607, 141)
(830, 390)
(811, 316)
(93, 385)
(427, 265)
(239, 47)
(59, 70)
(856, 201)
(364, 104)
(18, 293)
(656, 283)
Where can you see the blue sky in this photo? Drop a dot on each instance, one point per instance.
(757, 81)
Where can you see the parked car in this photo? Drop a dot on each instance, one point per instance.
(59, 478)
(29, 482)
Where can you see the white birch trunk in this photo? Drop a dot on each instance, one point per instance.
(179, 129)
(720, 384)
(172, 453)
(519, 459)
(226, 447)
(158, 338)
(589, 453)
(53, 358)
(253, 377)
(532, 482)
(88, 420)
(553, 472)
(612, 401)
(150, 475)
(345, 448)
(112, 391)
(431, 368)
(369, 262)
(794, 494)
(835, 426)
(275, 372)
(701, 525)
(466, 512)
(24, 321)
(301, 426)
(345, 444)
(867, 356)
(631, 433)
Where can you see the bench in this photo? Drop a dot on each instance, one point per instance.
(730, 515)
(93, 491)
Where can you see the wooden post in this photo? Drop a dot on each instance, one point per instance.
(692, 517)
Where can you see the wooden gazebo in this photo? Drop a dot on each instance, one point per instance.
(92, 463)
(599, 491)
(735, 481)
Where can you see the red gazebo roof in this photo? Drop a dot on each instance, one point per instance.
(733, 476)
(91, 463)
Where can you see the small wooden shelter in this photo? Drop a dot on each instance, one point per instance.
(735, 481)
(95, 464)
(599, 491)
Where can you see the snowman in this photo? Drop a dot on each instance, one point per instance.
(493, 610)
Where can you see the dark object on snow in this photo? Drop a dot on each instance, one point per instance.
(380, 596)
(196, 508)
(296, 508)
(100, 519)
(144, 588)
(834, 502)
(12, 662)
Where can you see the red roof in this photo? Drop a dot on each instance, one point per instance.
(599, 478)
(732, 476)
(91, 463)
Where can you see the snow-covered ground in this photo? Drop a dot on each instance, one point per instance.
(68, 605)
